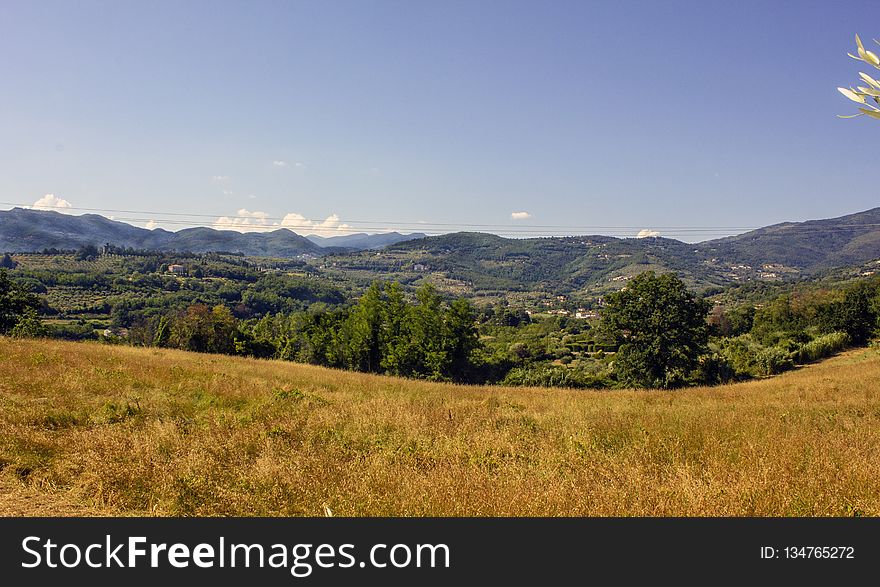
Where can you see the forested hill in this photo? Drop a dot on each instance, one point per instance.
(561, 263)
(487, 261)
(775, 252)
(812, 245)
(24, 230)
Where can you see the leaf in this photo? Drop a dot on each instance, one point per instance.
(859, 43)
(850, 115)
(870, 80)
(868, 91)
(872, 58)
(852, 95)
(871, 113)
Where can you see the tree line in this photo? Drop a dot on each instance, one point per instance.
(654, 333)
(383, 332)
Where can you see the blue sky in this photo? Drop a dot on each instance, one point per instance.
(615, 115)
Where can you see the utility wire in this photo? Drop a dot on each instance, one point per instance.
(434, 228)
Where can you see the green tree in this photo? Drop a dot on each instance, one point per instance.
(366, 330)
(660, 328)
(163, 332)
(87, 253)
(15, 302)
(461, 339)
(426, 330)
(396, 355)
(7, 262)
(855, 314)
(29, 325)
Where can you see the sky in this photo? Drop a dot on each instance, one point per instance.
(685, 119)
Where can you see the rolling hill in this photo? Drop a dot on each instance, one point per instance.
(24, 230)
(90, 429)
(362, 240)
(600, 263)
(489, 262)
(808, 246)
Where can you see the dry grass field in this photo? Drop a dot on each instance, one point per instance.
(87, 429)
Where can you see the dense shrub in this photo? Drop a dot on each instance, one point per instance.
(772, 361)
(821, 347)
(543, 375)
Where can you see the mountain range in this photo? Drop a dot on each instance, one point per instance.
(363, 241)
(773, 252)
(26, 230)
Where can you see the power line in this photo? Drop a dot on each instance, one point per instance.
(434, 228)
(389, 222)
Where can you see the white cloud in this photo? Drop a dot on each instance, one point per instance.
(243, 221)
(220, 178)
(330, 226)
(257, 221)
(295, 164)
(520, 215)
(50, 202)
(151, 224)
(645, 232)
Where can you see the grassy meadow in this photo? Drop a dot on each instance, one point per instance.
(90, 429)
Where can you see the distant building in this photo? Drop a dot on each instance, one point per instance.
(177, 269)
(585, 314)
(420, 267)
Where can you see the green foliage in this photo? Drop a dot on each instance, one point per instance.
(427, 340)
(15, 303)
(773, 360)
(7, 262)
(29, 325)
(203, 329)
(856, 314)
(544, 375)
(822, 347)
(255, 307)
(87, 253)
(743, 357)
(660, 328)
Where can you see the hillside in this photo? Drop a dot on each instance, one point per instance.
(24, 230)
(485, 262)
(362, 240)
(809, 246)
(90, 429)
(599, 264)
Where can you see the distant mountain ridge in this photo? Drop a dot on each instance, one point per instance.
(810, 245)
(601, 263)
(362, 240)
(26, 230)
(773, 252)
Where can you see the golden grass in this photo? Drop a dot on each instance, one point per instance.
(87, 429)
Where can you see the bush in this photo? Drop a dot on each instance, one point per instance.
(773, 360)
(748, 358)
(821, 347)
(551, 376)
(29, 326)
